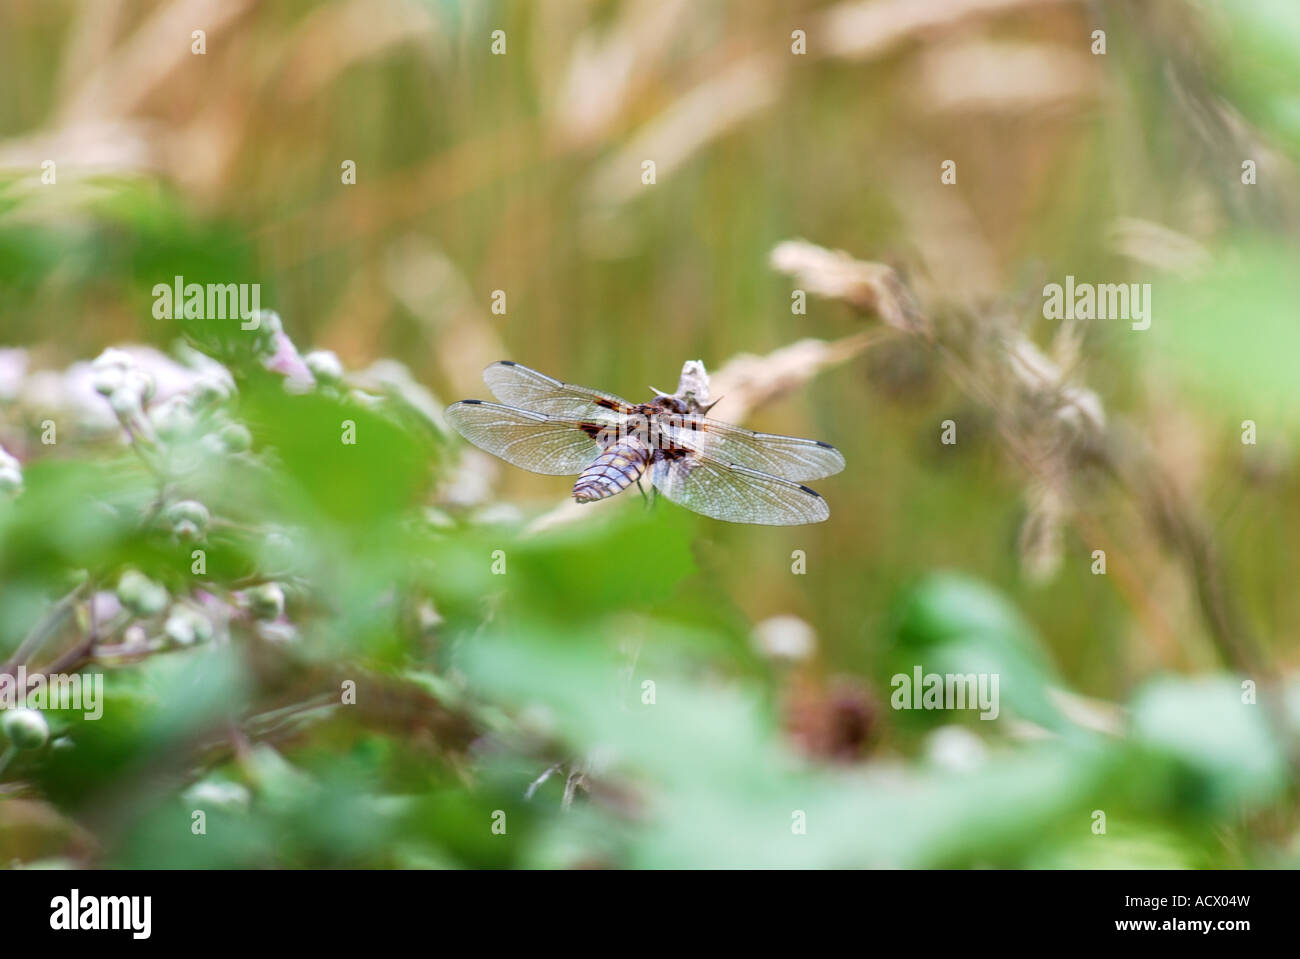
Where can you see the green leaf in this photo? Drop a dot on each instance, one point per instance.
(1233, 332)
(1226, 744)
(950, 623)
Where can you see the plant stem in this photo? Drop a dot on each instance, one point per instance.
(45, 628)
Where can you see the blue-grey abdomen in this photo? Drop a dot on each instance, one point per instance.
(613, 471)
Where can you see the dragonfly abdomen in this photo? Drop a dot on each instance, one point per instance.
(613, 471)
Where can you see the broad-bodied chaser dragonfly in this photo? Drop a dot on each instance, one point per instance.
(713, 468)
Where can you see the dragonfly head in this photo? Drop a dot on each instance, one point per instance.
(668, 403)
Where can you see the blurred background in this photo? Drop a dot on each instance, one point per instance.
(399, 652)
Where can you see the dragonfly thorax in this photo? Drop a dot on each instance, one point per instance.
(618, 466)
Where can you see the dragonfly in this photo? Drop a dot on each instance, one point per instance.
(707, 466)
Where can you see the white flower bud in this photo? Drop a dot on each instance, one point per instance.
(140, 594)
(179, 629)
(227, 796)
(189, 511)
(141, 383)
(113, 357)
(172, 419)
(785, 637)
(277, 552)
(125, 400)
(235, 437)
(108, 380)
(266, 601)
(25, 728)
(186, 626)
(109, 370)
(324, 365)
(269, 320)
(211, 389)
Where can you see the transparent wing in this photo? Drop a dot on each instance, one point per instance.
(531, 441)
(520, 386)
(790, 457)
(735, 494)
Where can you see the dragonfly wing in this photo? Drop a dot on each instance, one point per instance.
(519, 386)
(736, 494)
(789, 457)
(531, 441)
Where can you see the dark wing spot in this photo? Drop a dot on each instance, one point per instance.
(591, 429)
(608, 404)
(507, 362)
(813, 491)
(471, 402)
(826, 445)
